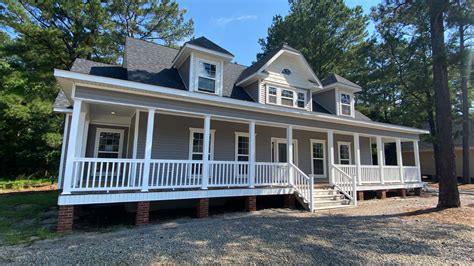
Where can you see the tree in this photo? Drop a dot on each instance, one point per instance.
(448, 187)
(329, 34)
(38, 36)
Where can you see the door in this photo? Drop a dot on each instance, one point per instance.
(279, 151)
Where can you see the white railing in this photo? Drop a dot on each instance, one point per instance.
(345, 183)
(349, 169)
(391, 174)
(370, 174)
(101, 174)
(303, 185)
(271, 174)
(228, 174)
(175, 174)
(411, 174)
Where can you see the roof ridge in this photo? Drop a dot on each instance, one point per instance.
(150, 42)
(97, 62)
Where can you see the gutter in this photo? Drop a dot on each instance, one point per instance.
(230, 103)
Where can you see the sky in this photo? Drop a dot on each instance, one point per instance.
(237, 25)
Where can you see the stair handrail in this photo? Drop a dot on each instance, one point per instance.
(303, 184)
(343, 188)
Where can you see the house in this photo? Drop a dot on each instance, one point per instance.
(427, 161)
(188, 124)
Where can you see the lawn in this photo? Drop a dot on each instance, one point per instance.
(22, 184)
(27, 216)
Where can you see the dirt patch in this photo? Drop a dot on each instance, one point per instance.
(461, 187)
(463, 215)
(30, 189)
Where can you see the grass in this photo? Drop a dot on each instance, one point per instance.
(23, 216)
(23, 183)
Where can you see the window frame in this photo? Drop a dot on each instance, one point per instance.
(198, 75)
(279, 96)
(109, 130)
(340, 104)
(339, 144)
(211, 143)
(274, 158)
(324, 159)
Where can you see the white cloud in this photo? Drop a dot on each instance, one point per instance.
(223, 21)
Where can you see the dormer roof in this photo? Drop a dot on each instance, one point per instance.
(201, 45)
(334, 80)
(208, 44)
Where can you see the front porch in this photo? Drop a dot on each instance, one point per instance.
(118, 153)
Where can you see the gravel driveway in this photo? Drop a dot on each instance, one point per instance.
(374, 232)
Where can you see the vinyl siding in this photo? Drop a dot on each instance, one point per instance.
(128, 98)
(66, 142)
(327, 100)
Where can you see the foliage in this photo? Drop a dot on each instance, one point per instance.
(329, 34)
(22, 216)
(38, 36)
(20, 184)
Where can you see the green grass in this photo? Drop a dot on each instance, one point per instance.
(23, 183)
(23, 216)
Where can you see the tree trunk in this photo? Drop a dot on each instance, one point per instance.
(465, 110)
(448, 185)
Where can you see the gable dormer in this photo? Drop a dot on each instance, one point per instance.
(282, 77)
(337, 96)
(200, 63)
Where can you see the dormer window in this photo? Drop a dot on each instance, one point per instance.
(346, 104)
(286, 71)
(286, 97)
(207, 77)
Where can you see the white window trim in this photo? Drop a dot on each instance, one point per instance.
(195, 61)
(323, 142)
(339, 103)
(339, 144)
(283, 140)
(236, 146)
(279, 96)
(193, 130)
(112, 130)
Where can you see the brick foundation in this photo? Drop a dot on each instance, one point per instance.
(418, 191)
(360, 195)
(143, 213)
(202, 209)
(65, 218)
(251, 203)
(402, 193)
(289, 201)
(381, 194)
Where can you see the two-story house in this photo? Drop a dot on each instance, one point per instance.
(188, 124)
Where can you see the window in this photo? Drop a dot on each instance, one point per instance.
(272, 95)
(346, 104)
(279, 150)
(196, 146)
(301, 100)
(242, 147)
(286, 71)
(207, 77)
(318, 157)
(344, 152)
(109, 143)
(287, 97)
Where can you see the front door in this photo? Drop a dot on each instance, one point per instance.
(279, 151)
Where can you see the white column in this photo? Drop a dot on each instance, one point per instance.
(357, 157)
(85, 133)
(63, 151)
(380, 157)
(252, 154)
(289, 150)
(148, 148)
(135, 134)
(400, 159)
(331, 155)
(72, 146)
(205, 151)
(417, 158)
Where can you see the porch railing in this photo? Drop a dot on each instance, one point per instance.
(228, 174)
(303, 185)
(411, 174)
(173, 174)
(370, 174)
(271, 174)
(345, 183)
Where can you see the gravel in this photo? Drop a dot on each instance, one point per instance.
(374, 232)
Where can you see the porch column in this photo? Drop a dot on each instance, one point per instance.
(135, 134)
(205, 151)
(400, 159)
(331, 155)
(252, 154)
(417, 158)
(380, 158)
(148, 146)
(73, 145)
(289, 152)
(357, 158)
(63, 151)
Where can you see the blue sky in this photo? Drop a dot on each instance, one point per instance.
(236, 25)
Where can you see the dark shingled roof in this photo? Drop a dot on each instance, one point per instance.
(335, 78)
(61, 101)
(98, 69)
(206, 43)
(260, 63)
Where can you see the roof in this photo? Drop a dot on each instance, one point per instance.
(98, 69)
(249, 71)
(61, 101)
(335, 78)
(208, 44)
